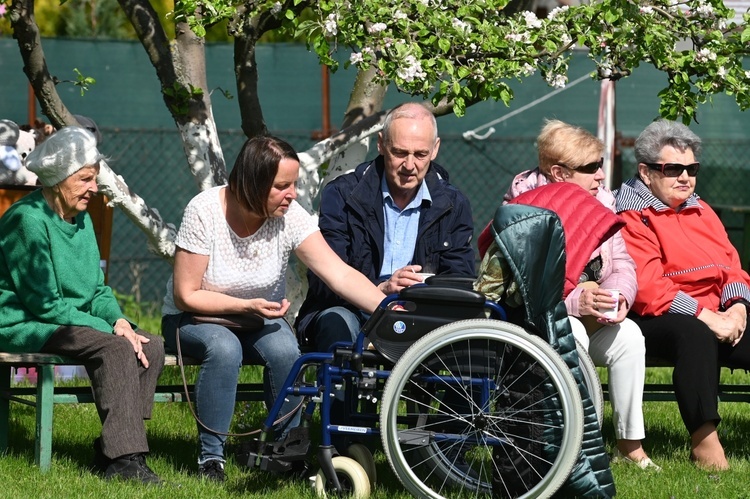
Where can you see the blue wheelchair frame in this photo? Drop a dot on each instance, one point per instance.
(346, 362)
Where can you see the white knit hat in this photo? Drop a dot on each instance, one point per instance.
(62, 154)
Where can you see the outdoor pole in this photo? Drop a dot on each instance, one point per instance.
(326, 101)
(607, 128)
(325, 106)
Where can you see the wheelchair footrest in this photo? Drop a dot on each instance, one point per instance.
(279, 457)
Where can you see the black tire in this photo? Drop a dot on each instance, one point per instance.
(439, 447)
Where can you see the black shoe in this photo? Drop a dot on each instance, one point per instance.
(212, 470)
(131, 467)
(100, 460)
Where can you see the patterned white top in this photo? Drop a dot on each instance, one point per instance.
(243, 267)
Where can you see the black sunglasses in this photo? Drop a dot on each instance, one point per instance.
(588, 168)
(675, 169)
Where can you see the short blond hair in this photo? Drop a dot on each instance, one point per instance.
(560, 142)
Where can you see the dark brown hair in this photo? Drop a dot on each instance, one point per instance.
(255, 169)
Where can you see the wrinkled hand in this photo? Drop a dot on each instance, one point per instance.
(725, 325)
(268, 309)
(591, 300)
(400, 279)
(739, 312)
(123, 328)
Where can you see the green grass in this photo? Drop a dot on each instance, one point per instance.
(173, 441)
(172, 436)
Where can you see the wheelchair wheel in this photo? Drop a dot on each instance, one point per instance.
(480, 407)
(351, 475)
(363, 456)
(591, 380)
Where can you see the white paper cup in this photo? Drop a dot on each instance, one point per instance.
(611, 313)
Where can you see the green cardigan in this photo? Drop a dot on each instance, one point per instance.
(49, 276)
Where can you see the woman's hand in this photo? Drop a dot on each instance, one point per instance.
(622, 311)
(725, 325)
(739, 312)
(123, 328)
(268, 309)
(591, 300)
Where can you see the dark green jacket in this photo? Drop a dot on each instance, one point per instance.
(532, 243)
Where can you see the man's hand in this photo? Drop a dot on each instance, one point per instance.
(400, 279)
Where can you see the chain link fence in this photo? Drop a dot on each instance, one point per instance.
(152, 162)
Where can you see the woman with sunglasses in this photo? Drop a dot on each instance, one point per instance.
(692, 291)
(568, 153)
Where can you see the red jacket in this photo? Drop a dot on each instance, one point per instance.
(684, 259)
(587, 223)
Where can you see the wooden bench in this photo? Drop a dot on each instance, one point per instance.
(45, 395)
(664, 392)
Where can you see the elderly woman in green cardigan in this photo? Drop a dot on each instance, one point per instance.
(54, 300)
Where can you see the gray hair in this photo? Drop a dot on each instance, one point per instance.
(661, 133)
(411, 110)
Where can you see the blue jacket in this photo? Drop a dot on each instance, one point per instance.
(351, 220)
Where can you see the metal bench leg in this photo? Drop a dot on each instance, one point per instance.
(5, 373)
(45, 392)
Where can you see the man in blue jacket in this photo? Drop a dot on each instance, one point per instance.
(392, 218)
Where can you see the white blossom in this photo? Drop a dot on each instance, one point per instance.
(412, 69)
(356, 57)
(565, 38)
(557, 11)
(369, 51)
(377, 28)
(705, 55)
(531, 20)
(705, 10)
(398, 15)
(527, 69)
(646, 9)
(276, 8)
(461, 26)
(747, 74)
(556, 80)
(331, 27)
(518, 37)
(721, 72)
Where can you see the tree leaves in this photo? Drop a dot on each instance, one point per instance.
(468, 50)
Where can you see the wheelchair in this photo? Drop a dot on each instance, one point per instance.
(461, 401)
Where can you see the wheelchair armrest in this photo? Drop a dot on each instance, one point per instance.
(451, 281)
(442, 294)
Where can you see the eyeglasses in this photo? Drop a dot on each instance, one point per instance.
(675, 169)
(588, 168)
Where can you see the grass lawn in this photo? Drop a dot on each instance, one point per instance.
(172, 437)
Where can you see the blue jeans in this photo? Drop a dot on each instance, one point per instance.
(222, 353)
(336, 324)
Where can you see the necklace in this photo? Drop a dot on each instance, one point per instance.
(247, 229)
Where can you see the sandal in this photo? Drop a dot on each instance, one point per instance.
(644, 464)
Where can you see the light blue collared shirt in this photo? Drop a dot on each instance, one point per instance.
(401, 229)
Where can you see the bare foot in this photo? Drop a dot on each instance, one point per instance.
(632, 449)
(707, 452)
